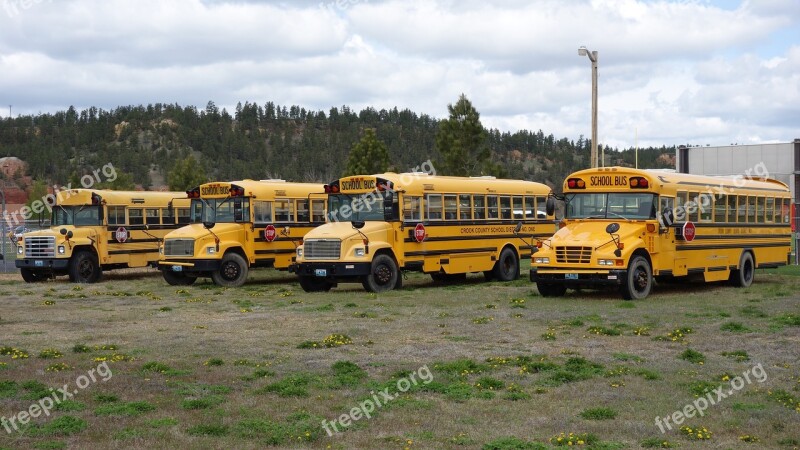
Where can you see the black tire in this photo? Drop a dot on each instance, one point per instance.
(744, 275)
(232, 271)
(84, 268)
(314, 284)
(551, 289)
(383, 276)
(31, 276)
(507, 266)
(639, 282)
(178, 278)
(448, 278)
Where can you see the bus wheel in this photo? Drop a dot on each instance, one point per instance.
(743, 277)
(314, 284)
(232, 271)
(84, 268)
(551, 289)
(178, 278)
(507, 267)
(383, 276)
(30, 276)
(639, 281)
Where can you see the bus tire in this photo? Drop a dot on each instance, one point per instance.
(507, 266)
(314, 284)
(551, 289)
(178, 278)
(639, 281)
(232, 271)
(84, 268)
(383, 274)
(743, 276)
(488, 275)
(31, 276)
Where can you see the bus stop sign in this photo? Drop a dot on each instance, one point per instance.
(121, 235)
(419, 232)
(269, 233)
(688, 231)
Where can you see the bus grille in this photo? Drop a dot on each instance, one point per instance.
(40, 247)
(179, 247)
(574, 255)
(323, 249)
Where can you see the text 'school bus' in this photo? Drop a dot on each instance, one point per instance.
(96, 230)
(624, 227)
(240, 225)
(443, 226)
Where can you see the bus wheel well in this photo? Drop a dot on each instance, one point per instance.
(237, 250)
(82, 248)
(643, 253)
(752, 255)
(512, 247)
(386, 251)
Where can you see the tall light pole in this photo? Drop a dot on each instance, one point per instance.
(582, 51)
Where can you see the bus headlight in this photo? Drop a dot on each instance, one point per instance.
(20, 250)
(61, 250)
(359, 252)
(541, 260)
(211, 250)
(606, 262)
(299, 252)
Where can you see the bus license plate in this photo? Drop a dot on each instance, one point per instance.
(38, 263)
(177, 268)
(321, 272)
(570, 276)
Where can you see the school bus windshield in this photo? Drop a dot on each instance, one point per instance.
(77, 215)
(611, 205)
(357, 207)
(221, 210)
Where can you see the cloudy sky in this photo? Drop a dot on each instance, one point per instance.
(672, 72)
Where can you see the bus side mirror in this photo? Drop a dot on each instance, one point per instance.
(209, 225)
(550, 206)
(518, 228)
(63, 231)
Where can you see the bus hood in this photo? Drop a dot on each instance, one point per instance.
(592, 233)
(344, 230)
(197, 230)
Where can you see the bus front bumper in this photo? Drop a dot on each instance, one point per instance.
(333, 271)
(42, 263)
(604, 278)
(189, 265)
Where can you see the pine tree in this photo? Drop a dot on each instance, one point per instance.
(186, 174)
(461, 140)
(369, 155)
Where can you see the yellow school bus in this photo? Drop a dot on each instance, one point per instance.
(624, 227)
(96, 230)
(240, 225)
(447, 227)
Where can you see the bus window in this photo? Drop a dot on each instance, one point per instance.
(681, 212)
(491, 202)
(519, 211)
(751, 209)
(732, 208)
(262, 212)
(465, 207)
(530, 207)
(412, 208)
(693, 209)
(760, 210)
(166, 216)
(541, 207)
(721, 208)
(505, 207)
(666, 206)
(184, 216)
(785, 211)
(480, 206)
(434, 202)
(302, 211)
(152, 216)
(317, 211)
(283, 211)
(116, 215)
(741, 210)
(770, 210)
(135, 217)
(450, 207)
(705, 205)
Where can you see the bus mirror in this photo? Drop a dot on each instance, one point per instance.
(209, 225)
(612, 228)
(518, 228)
(358, 225)
(63, 231)
(146, 227)
(69, 234)
(550, 206)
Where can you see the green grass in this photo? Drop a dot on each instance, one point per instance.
(130, 409)
(599, 414)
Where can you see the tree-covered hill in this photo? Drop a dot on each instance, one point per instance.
(268, 141)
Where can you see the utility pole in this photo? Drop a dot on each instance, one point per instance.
(583, 51)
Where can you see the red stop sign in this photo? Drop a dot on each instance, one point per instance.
(419, 232)
(121, 235)
(688, 231)
(269, 233)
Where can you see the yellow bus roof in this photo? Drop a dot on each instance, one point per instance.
(263, 189)
(110, 197)
(663, 179)
(419, 183)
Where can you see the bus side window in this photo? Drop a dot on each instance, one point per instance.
(785, 211)
(751, 210)
(720, 208)
(464, 207)
(694, 209)
(302, 211)
(770, 210)
(152, 216)
(529, 207)
(705, 204)
(318, 211)
(135, 217)
(505, 207)
(412, 208)
(184, 215)
(283, 211)
(480, 206)
(741, 211)
(116, 215)
(517, 208)
(491, 202)
(541, 208)
(760, 210)
(434, 202)
(262, 212)
(683, 207)
(450, 207)
(666, 207)
(166, 216)
(732, 208)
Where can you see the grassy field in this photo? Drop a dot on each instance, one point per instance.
(494, 365)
